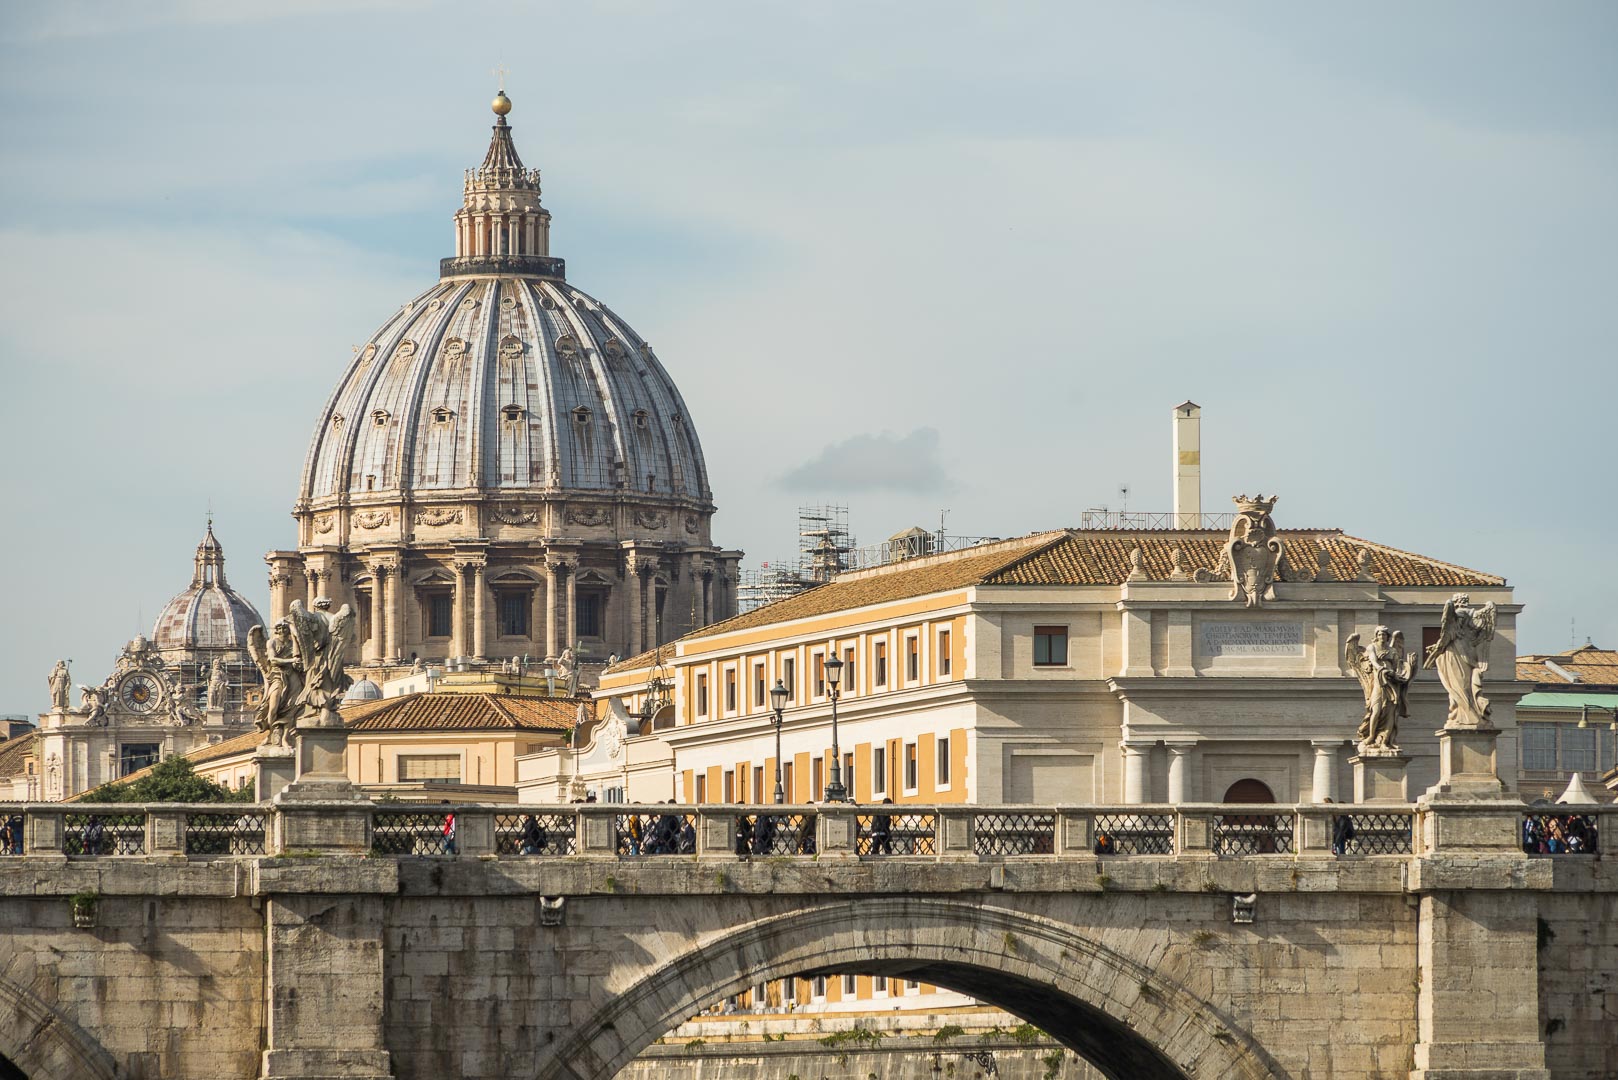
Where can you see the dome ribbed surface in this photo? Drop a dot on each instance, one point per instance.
(209, 614)
(502, 384)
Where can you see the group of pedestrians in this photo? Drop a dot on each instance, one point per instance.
(1560, 834)
(11, 835)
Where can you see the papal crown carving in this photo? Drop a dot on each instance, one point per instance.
(1258, 504)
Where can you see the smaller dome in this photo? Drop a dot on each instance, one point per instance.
(364, 690)
(209, 614)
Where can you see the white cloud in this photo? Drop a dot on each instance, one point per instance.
(874, 463)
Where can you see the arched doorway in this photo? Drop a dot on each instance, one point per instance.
(1255, 832)
(1249, 791)
(1122, 1016)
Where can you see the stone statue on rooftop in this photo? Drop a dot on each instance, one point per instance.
(567, 671)
(93, 700)
(1384, 671)
(1458, 654)
(61, 685)
(218, 685)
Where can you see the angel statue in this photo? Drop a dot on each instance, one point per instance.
(1384, 671)
(277, 659)
(1458, 654)
(93, 700)
(322, 641)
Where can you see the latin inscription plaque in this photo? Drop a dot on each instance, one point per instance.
(1252, 639)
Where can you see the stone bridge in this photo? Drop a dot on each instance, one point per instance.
(343, 940)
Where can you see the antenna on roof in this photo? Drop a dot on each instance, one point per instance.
(1123, 497)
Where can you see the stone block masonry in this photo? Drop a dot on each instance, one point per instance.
(1477, 964)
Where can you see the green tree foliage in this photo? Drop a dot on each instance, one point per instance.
(171, 780)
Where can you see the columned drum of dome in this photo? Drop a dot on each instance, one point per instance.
(505, 468)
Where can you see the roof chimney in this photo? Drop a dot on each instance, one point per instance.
(1188, 465)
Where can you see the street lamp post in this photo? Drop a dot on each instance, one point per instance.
(835, 792)
(778, 701)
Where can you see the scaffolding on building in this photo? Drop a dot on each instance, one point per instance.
(826, 548)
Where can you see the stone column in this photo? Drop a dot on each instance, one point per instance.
(457, 644)
(572, 612)
(280, 600)
(637, 614)
(552, 598)
(706, 612)
(1137, 643)
(395, 611)
(479, 630)
(1135, 791)
(1325, 781)
(379, 573)
(1179, 771)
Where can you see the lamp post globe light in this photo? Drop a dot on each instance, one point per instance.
(835, 791)
(778, 701)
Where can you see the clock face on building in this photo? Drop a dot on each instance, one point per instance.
(139, 693)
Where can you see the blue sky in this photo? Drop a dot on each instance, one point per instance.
(953, 255)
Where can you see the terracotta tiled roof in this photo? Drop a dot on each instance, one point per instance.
(465, 712)
(14, 754)
(1081, 557)
(880, 585)
(643, 660)
(1101, 557)
(1593, 666)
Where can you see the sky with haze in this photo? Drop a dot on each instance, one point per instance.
(905, 256)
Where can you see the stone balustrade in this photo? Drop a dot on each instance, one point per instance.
(916, 831)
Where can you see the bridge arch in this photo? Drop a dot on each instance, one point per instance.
(1116, 1012)
(44, 1045)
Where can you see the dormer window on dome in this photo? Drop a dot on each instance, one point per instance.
(380, 417)
(442, 415)
(642, 418)
(581, 414)
(511, 413)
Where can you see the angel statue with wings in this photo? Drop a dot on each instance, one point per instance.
(1384, 671)
(307, 652)
(277, 659)
(1458, 654)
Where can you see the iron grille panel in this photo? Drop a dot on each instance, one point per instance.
(656, 834)
(775, 834)
(225, 833)
(897, 834)
(411, 832)
(554, 834)
(1379, 834)
(1014, 834)
(1561, 834)
(1134, 834)
(1252, 834)
(104, 834)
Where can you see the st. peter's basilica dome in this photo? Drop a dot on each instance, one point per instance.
(505, 468)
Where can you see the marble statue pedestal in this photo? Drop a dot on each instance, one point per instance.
(322, 810)
(1379, 777)
(1468, 765)
(275, 768)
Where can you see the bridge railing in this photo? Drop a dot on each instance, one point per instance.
(864, 831)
